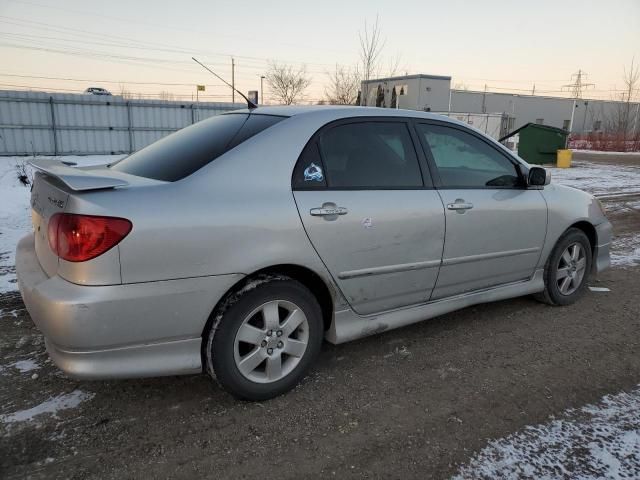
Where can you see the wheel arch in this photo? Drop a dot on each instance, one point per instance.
(590, 231)
(307, 277)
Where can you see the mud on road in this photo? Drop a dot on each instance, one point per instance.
(411, 403)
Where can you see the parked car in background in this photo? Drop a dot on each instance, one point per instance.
(97, 91)
(237, 244)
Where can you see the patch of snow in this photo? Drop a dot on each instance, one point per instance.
(25, 365)
(52, 406)
(625, 250)
(598, 178)
(599, 441)
(600, 152)
(15, 216)
(13, 312)
(599, 289)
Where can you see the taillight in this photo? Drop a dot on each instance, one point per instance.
(78, 238)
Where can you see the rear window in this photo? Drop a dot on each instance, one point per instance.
(180, 154)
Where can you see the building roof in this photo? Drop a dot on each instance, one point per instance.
(407, 77)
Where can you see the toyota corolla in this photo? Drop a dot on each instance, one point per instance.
(236, 245)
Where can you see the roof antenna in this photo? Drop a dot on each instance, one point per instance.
(250, 104)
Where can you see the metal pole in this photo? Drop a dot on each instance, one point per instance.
(484, 99)
(573, 111)
(233, 80)
(130, 127)
(53, 126)
(262, 77)
(450, 93)
(584, 119)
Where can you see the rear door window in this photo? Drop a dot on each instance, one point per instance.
(372, 155)
(182, 153)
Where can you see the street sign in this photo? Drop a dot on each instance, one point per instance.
(201, 88)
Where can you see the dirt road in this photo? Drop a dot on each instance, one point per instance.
(411, 403)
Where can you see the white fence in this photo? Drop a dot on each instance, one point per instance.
(67, 124)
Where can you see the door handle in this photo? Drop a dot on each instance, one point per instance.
(460, 206)
(328, 211)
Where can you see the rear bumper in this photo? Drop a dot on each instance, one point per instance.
(119, 331)
(601, 257)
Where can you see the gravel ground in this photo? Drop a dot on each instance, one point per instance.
(417, 402)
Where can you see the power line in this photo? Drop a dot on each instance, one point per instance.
(135, 94)
(164, 26)
(131, 82)
(153, 45)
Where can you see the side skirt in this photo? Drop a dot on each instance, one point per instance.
(348, 325)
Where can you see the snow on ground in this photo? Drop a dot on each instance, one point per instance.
(625, 250)
(601, 152)
(24, 366)
(600, 441)
(598, 178)
(52, 406)
(15, 216)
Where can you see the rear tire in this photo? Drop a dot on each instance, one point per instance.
(264, 338)
(566, 272)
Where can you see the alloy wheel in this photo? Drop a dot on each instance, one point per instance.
(271, 341)
(571, 268)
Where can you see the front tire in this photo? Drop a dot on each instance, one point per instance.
(567, 270)
(265, 338)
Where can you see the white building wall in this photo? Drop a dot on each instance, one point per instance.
(432, 93)
(421, 92)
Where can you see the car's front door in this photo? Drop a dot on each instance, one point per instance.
(495, 226)
(362, 198)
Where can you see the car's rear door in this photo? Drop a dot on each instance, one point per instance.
(495, 226)
(369, 208)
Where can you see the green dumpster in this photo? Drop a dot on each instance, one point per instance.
(539, 143)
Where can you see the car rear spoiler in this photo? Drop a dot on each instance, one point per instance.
(76, 179)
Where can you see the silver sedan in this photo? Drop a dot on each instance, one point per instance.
(237, 244)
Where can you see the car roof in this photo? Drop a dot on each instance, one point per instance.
(343, 111)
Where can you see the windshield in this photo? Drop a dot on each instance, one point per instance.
(188, 150)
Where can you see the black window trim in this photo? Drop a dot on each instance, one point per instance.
(425, 170)
(437, 181)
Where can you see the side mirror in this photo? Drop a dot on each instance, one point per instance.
(538, 177)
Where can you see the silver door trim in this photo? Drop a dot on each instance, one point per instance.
(401, 267)
(488, 256)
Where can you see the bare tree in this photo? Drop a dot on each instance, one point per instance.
(624, 122)
(371, 46)
(287, 84)
(165, 95)
(124, 92)
(344, 86)
(394, 65)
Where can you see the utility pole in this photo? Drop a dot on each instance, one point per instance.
(262, 77)
(578, 85)
(233, 80)
(484, 99)
(533, 90)
(576, 92)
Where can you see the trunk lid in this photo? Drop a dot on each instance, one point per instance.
(47, 199)
(59, 187)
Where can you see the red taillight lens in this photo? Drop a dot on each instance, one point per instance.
(78, 238)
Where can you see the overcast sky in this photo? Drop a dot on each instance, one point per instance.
(504, 44)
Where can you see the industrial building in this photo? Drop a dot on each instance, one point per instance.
(433, 93)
